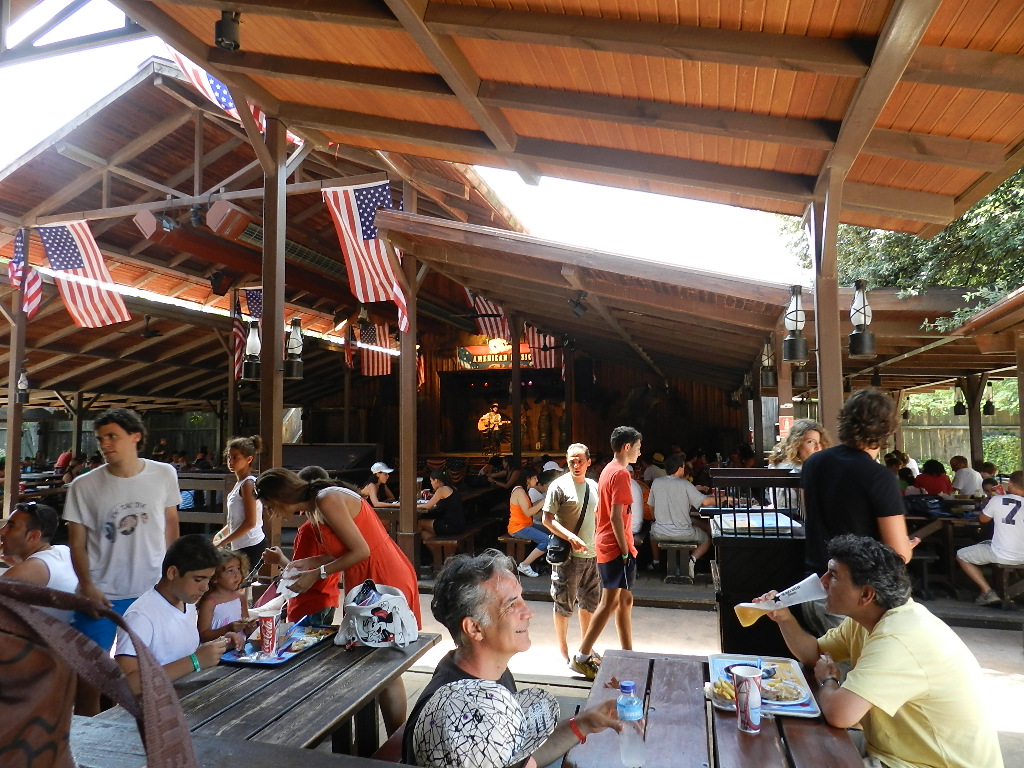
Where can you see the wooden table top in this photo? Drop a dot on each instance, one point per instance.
(299, 703)
(684, 731)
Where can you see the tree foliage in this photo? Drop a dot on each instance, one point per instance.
(982, 252)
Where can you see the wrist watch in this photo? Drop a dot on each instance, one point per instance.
(323, 571)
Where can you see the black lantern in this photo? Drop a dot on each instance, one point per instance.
(21, 390)
(794, 346)
(293, 351)
(768, 375)
(862, 340)
(800, 378)
(251, 361)
(959, 408)
(989, 408)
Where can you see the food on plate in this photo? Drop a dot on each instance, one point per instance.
(303, 643)
(781, 691)
(724, 689)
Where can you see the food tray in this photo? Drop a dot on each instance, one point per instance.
(787, 669)
(756, 522)
(244, 659)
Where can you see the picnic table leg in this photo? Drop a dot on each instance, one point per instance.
(367, 729)
(341, 739)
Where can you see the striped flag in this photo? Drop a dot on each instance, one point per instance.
(254, 302)
(81, 276)
(350, 345)
(23, 276)
(494, 327)
(375, 361)
(421, 372)
(545, 350)
(238, 334)
(370, 274)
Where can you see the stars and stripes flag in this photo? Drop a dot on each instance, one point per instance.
(218, 93)
(375, 362)
(81, 276)
(544, 350)
(238, 334)
(254, 302)
(495, 327)
(421, 372)
(370, 274)
(24, 277)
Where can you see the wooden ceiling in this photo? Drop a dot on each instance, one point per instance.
(917, 104)
(140, 148)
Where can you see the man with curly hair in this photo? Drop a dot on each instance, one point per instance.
(846, 490)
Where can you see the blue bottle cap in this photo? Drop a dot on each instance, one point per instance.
(627, 687)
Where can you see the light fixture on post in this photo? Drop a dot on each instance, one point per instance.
(21, 390)
(220, 283)
(847, 385)
(251, 361)
(862, 340)
(226, 33)
(794, 346)
(906, 409)
(768, 375)
(578, 307)
(989, 408)
(800, 378)
(293, 351)
(959, 407)
(876, 378)
(363, 317)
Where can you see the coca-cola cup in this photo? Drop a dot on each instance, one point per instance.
(747, 683)
(268, 631)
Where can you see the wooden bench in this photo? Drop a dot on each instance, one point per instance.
(516, 548)
(443, 547)
(1003, 582)
(676, 572)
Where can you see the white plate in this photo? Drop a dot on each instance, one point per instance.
(798, 694)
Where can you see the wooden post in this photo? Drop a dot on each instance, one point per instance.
(758, 415)
(231, 407)
(408, 539)
(515, 324)
(973, 386)
(1018, 348)
(76, 424)
(12, 478)
(346, 422)
(569, 360)
(785, 383)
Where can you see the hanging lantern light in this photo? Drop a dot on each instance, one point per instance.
(876, 378)
(862, 340)
(794, 346)
(800, 378)
(21, 390)
(906, 410)
(959, 407)
(293, 351)
(251, 361)
(768, 375)
(989, 408)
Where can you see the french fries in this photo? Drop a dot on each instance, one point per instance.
(724, 689)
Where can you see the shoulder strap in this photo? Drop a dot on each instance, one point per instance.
(586, 503)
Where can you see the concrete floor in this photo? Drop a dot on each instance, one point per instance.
(677, 630)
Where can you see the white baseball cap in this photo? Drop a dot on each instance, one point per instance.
(549, 465)
(380, 466)
(481, 724)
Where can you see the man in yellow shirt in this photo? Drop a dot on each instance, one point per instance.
(914, 685)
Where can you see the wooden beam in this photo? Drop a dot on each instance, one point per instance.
(965, 68)
(358, 13)
(90, 160)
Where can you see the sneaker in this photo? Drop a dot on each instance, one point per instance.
(988, 598)
(691, 565)
(586, 668)
(527, 571)
(653, 565)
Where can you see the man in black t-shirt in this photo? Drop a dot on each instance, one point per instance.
(480, 601)
(847, 491)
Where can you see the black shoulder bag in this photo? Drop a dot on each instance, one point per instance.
(558, 548)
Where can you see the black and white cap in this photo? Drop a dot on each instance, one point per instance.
(481, 724)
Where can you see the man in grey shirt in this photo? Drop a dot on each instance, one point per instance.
(672, 497)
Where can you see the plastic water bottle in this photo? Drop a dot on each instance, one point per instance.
(632, 749)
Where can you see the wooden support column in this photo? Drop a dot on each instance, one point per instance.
(272, 354)
(785, 380)
(1018, 348)
(231, 407)
(569, 360)
(824, 224)
(973, 386)
(408, 492)
(17, 352)
(757, 417)
(76, 423)
(901, 398)
(346, 422)
(515, 324)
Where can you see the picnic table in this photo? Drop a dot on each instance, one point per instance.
(949, 528)
(685, 731)
(326, 692)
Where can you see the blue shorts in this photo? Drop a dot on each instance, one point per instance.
(102, 630)
(618, 574)
(535, 534)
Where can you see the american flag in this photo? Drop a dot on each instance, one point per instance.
(495, 327)
(254, 302)
(421, 372)
(537, 341)
(350, 345)
(218, 93)
(33, 283)
(369, 271)
(238, 333)
(375, 362)
(73, 252)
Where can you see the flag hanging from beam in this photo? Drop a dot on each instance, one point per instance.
(545, 350)
(421, 372)
(238, 335)
(494, 324)
(375, 362)
(81, 276)
(350, 345)
(370, 274)
(254, 302)
(24, 277)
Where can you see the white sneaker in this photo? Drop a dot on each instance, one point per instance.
(527, 571)
(691, 566)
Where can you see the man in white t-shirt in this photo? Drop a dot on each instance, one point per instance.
(966, 481)
(26, 544)
(121, 518)
(1006, 547)
(672, 497)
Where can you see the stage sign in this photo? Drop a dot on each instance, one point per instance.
(494, 355)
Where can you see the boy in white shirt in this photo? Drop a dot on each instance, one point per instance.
(1007, 544)
(165, 617)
